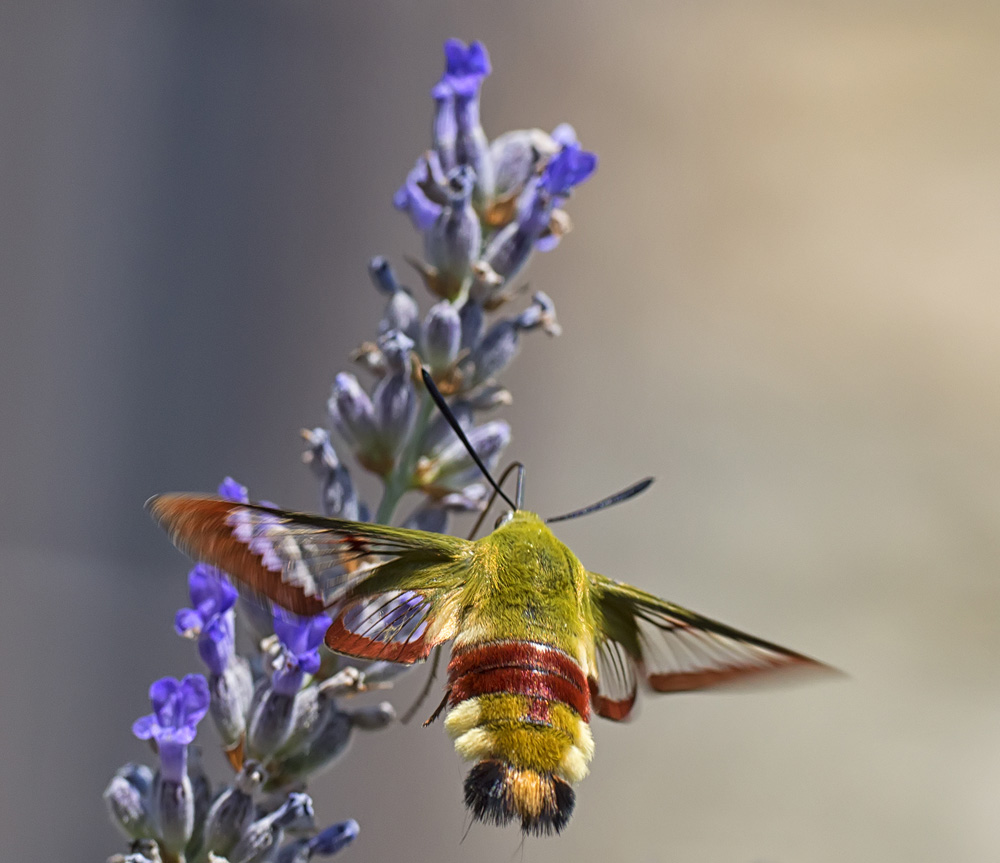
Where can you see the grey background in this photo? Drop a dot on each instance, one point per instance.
(780, 298)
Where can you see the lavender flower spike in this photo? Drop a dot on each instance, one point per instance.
(481, 209)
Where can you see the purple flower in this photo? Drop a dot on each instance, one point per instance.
(178, 706)
(211, 618)
(324, 844)
(465, 67)
(418, 197)
(301, 638)
(230, 489)
(334, 838)
(571, 166)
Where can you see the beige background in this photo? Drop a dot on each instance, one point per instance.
(780, 298)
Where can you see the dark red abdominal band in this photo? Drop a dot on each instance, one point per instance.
(537, 671)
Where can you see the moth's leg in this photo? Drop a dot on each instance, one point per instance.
(439, 708)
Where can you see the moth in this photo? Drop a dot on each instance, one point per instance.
(539, 643)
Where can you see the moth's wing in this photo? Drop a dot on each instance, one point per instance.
(671, 648)
(393, 592)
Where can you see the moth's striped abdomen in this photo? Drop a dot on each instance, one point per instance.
(520, 709)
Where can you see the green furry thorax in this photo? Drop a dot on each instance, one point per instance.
(524, 584)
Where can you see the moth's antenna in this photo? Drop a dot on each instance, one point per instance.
(503, 478)
(453, 422)
(624, 494)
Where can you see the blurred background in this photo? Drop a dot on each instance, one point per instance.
(780, 298)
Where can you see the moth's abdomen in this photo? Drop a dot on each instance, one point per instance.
(520, 709)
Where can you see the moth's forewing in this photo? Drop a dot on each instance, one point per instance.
(387, 588)
(203, 527)
(672, 649)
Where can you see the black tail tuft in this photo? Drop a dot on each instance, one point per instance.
(553, 818)
(487, 794)
(497, 793)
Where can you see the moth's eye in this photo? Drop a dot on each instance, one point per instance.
(504, 519)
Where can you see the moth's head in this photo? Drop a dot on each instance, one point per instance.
(518, 517)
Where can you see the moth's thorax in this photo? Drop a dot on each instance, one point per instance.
(525, 584)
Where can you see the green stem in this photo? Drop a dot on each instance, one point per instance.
(400, 479)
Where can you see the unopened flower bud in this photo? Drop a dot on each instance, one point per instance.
(264, 835)
(231, 693)
(489, 397)
(338, 495)
(326, 843)
(143, 851)
(500, 344)
(173, 810)
(401, 311)
(452, 244)
(516, 156)
(394, 399)
(441, 337)
(127, 798)
(494, 353)
(454, 468)
(270, 722)
(232, 812)
(472, 319)
(373, 718)
(440, 433)
(352, 413)
(433, 515)
(445, 129)
(308, 753)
